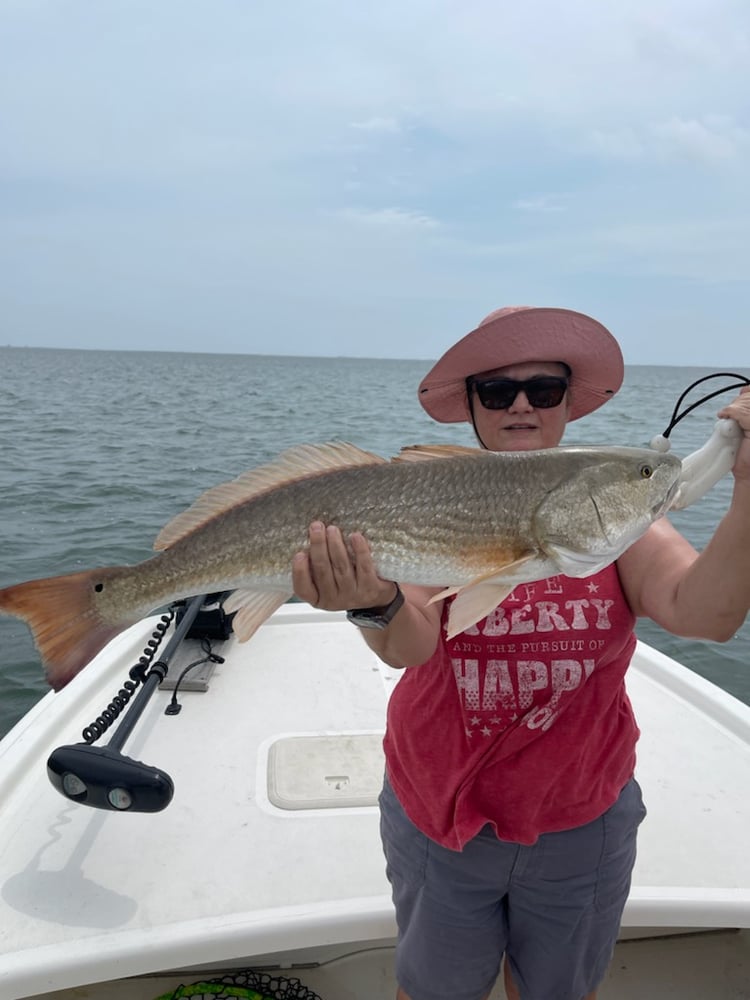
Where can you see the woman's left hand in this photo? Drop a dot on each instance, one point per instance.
(739, 410)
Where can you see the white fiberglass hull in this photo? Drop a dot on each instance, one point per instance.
(257, 860)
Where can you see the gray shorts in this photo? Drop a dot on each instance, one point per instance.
(552, 908)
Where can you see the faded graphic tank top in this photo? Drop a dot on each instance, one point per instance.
(522, 721)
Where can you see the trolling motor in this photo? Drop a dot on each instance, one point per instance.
(103, 777)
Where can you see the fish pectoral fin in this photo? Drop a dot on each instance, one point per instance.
(300, 462)
(500, 577)
(473, 603)
(448, 592)
(251, 608)
(476, 599)
(577, 563)
(429, 452)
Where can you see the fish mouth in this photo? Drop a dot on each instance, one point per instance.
(659, 508)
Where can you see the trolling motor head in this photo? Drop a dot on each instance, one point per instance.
(104, 778)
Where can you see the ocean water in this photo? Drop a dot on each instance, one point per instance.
(99, 449)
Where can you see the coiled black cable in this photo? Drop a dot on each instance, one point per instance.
(137, 673)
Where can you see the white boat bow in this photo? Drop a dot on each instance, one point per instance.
(269, 851)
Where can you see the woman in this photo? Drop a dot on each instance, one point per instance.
(509, 810)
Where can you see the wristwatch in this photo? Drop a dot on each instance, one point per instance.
(376, 617)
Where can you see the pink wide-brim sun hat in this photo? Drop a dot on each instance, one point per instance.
(517, 334)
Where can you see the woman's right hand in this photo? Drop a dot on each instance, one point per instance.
(334, 577)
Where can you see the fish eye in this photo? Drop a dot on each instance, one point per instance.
(646, 471)
(98, 587)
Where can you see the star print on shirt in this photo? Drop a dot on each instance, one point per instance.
(593, 588)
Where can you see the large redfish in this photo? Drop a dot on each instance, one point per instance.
(475, 522)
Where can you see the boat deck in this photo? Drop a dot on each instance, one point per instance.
(249, 857)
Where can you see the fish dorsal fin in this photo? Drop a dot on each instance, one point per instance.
(300, 462)
(428, 452)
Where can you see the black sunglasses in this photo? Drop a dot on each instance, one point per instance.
(542, 393)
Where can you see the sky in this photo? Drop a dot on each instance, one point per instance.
(340, 177)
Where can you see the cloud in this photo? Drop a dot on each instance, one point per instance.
(690, 37)
(542, 203)
(617, 144)
(390, 218)
(382, 125)
(709, 141)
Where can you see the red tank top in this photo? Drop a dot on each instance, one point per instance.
(522, 721)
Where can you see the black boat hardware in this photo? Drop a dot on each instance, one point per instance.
(102, 776)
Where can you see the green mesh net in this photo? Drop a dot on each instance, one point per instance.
(247, 985)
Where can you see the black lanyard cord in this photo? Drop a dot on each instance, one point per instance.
(677, 415)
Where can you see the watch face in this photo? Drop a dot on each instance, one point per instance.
(367, 619)
(377, 617)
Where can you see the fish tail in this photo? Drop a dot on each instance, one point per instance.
(61, 612)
